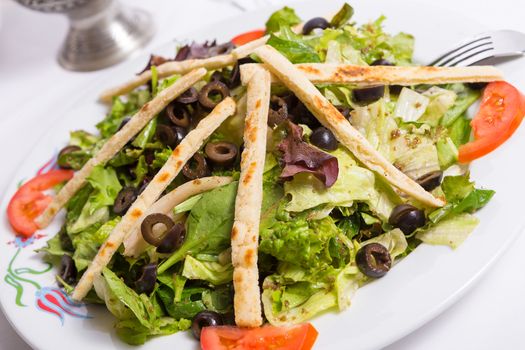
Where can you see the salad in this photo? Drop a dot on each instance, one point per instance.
(332, 217)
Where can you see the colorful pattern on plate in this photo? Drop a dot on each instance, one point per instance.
(48, 299)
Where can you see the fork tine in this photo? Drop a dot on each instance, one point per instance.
(478, 47)
(472, 58)
(460, 47)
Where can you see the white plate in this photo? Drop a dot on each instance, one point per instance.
(416, 290)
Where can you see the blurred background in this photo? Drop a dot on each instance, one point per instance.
(492, 314)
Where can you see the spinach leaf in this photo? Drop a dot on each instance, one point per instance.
(208, 225)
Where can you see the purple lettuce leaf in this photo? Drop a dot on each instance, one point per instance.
(299, 157)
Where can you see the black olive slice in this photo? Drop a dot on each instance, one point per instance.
(407, 218)
(324, 139)
(315, 23)
(369, 94)
(173, 240)
(196, 167)
(166, 135)
(68, 270)
(373, 260)
(278, 111)
(146, 282)
(221, 153)
(178, 115)
(62, 161)
(205, 319)
(189, 96)
(431, 180)
(124, 200)
(210, 90)
(150, 234)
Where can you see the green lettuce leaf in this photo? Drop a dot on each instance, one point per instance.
(146, 135)
(395, 241)
(120, 109)
(185, 305)
(134, 333)
(440, 101)
(342, 16)
(88, 242)
(462, 197)
(123, 302)
(106, 185)
(459, 131)
(187, 205)
(465, 98)
(354, 183)
(294, 303)
(419, 161)
(212, 272)
(410, 105)
(284, 17)
(451, 231)
(447, 152)
(293, 47)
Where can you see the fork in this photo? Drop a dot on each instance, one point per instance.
(498, 44)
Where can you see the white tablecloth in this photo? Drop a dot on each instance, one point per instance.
(490, 316)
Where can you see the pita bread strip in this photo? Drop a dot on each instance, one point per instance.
(329, 73)
(118, 141)
(345, 133)
(247, 298)
(247, 49)
(134, 244)
(245, 231)
(165, 70)
(181, 67)
(180, 156)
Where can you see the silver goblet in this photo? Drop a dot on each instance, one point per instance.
(101, 32)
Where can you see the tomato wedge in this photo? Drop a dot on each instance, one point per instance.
(29, 201)
(298, 337)
(245, 38)
(500, 114)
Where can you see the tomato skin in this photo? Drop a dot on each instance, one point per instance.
(245, 38)
(298, 337)
(29, 201)
(500, 114)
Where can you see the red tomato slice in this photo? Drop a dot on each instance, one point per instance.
(500, 114)
(245, 38)
(30, 201)
(500, 107)
(298, 337)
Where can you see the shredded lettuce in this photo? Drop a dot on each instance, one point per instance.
(440, 101)
(410, 105)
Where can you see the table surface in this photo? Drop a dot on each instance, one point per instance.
(489, 316)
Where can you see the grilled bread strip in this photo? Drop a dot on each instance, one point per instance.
(182, 67)
(345, 133)
(182, 153)
(245, 231)
(134, 244)
(117, 141)
(330, 73)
